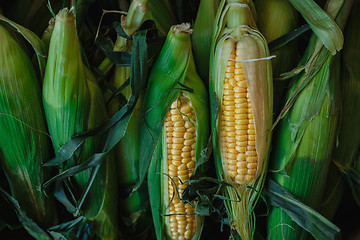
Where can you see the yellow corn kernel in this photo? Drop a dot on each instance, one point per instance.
(241, 159)
(181, 146)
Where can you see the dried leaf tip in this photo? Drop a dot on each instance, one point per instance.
(184, 27)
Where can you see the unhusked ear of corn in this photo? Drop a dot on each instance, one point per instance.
(275, 19)
(135, 16)
(176, 124)
(127, 161)
(73, 104)
(66, 96)
(101, 203)
(241, 78)
(201, 38)
(305, 140)
(24, 141)
(348, 138)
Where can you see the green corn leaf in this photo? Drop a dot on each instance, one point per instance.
(321, 23)
(306, 217)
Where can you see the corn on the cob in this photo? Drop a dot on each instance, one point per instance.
(180, 133)
(24, 141)
(241, 78)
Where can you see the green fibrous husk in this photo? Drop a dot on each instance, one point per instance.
(133, 207)
(135, 16)
(348, 139)
(322, 22)
(73, 104)
(24, 141)
(173, 74)
(101, 203)
(275, 19)
(305, 139)
(162, 13)
(235, 24)
(201, 37)
(66, 96)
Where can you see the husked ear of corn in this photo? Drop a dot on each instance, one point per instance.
(176, 124)
(241, 78)
(24, 141)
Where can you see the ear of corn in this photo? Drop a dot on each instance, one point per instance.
(302, 151)
(74, 103)
(66, 96)
(101, 202)
(348, 139)
(180, 133)
(135, 16)
(241, 79)
(201, 38)
(275, 19)
(132, 207)
(24, 141)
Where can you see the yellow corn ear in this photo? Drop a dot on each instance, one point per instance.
(177, 130)
(241, 78)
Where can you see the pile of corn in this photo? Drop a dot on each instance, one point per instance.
(181, 120)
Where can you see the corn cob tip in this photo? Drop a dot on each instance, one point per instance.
(184, 27)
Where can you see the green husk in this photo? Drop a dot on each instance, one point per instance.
(24, 141)
(66, 96)
(348, 139)
(162, 13)
(133, 207)
(322, 23)
(298, 164)
(201, 37)
(173, 73)
(101, 202)
(73, 104)
(135, 16)
(235, 24)
(310, 116)
(275, 19)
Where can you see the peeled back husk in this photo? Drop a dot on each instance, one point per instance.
(235, 28)
(173, 78)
